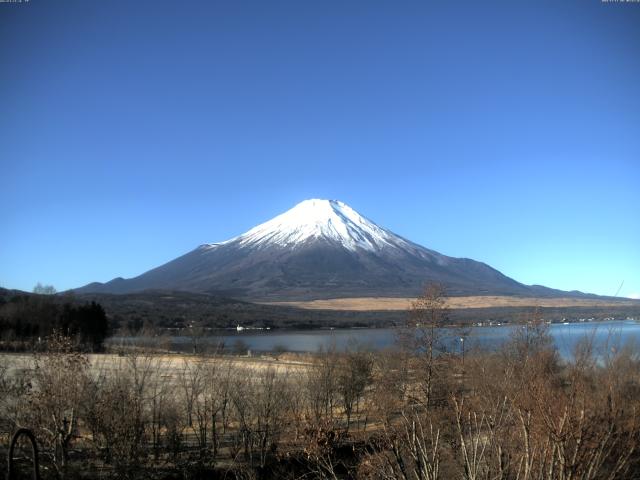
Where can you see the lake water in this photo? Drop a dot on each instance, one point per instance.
(611, 334)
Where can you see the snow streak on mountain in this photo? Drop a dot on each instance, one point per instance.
(319, 249)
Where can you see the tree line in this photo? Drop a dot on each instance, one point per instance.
(26, 319)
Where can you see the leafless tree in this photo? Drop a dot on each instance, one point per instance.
(353, 376)
(422, 337)
(414, 447)
(270, 404)
(321, 386)
(44, 289)
(118, 409)
(59, 376)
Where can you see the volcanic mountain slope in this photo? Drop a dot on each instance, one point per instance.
(320, 249)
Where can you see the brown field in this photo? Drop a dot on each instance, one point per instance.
(387, 303)
(172, 364)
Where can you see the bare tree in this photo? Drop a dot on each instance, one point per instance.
(59, 376)
(44, 289)
(193, 382)
(241, 394)
(423, 338)
(196, 332)
(271, 407)
(217, 377)
(390, 384)
(321, 385)
(118, 410)
(353, 376)
(414, 447)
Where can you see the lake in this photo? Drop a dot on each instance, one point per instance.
(610, 334)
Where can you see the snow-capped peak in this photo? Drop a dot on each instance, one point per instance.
(320, 219)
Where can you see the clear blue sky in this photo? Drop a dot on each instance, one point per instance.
(504, 131)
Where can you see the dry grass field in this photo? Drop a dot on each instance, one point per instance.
(171, 364)
(394, 304)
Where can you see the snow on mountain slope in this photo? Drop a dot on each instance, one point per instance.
(318, 249)
(319, 219)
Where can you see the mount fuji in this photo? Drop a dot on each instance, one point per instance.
(319, 249)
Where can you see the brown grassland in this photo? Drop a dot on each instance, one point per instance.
(397, 304)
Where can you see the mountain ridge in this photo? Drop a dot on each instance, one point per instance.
(320, 249)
